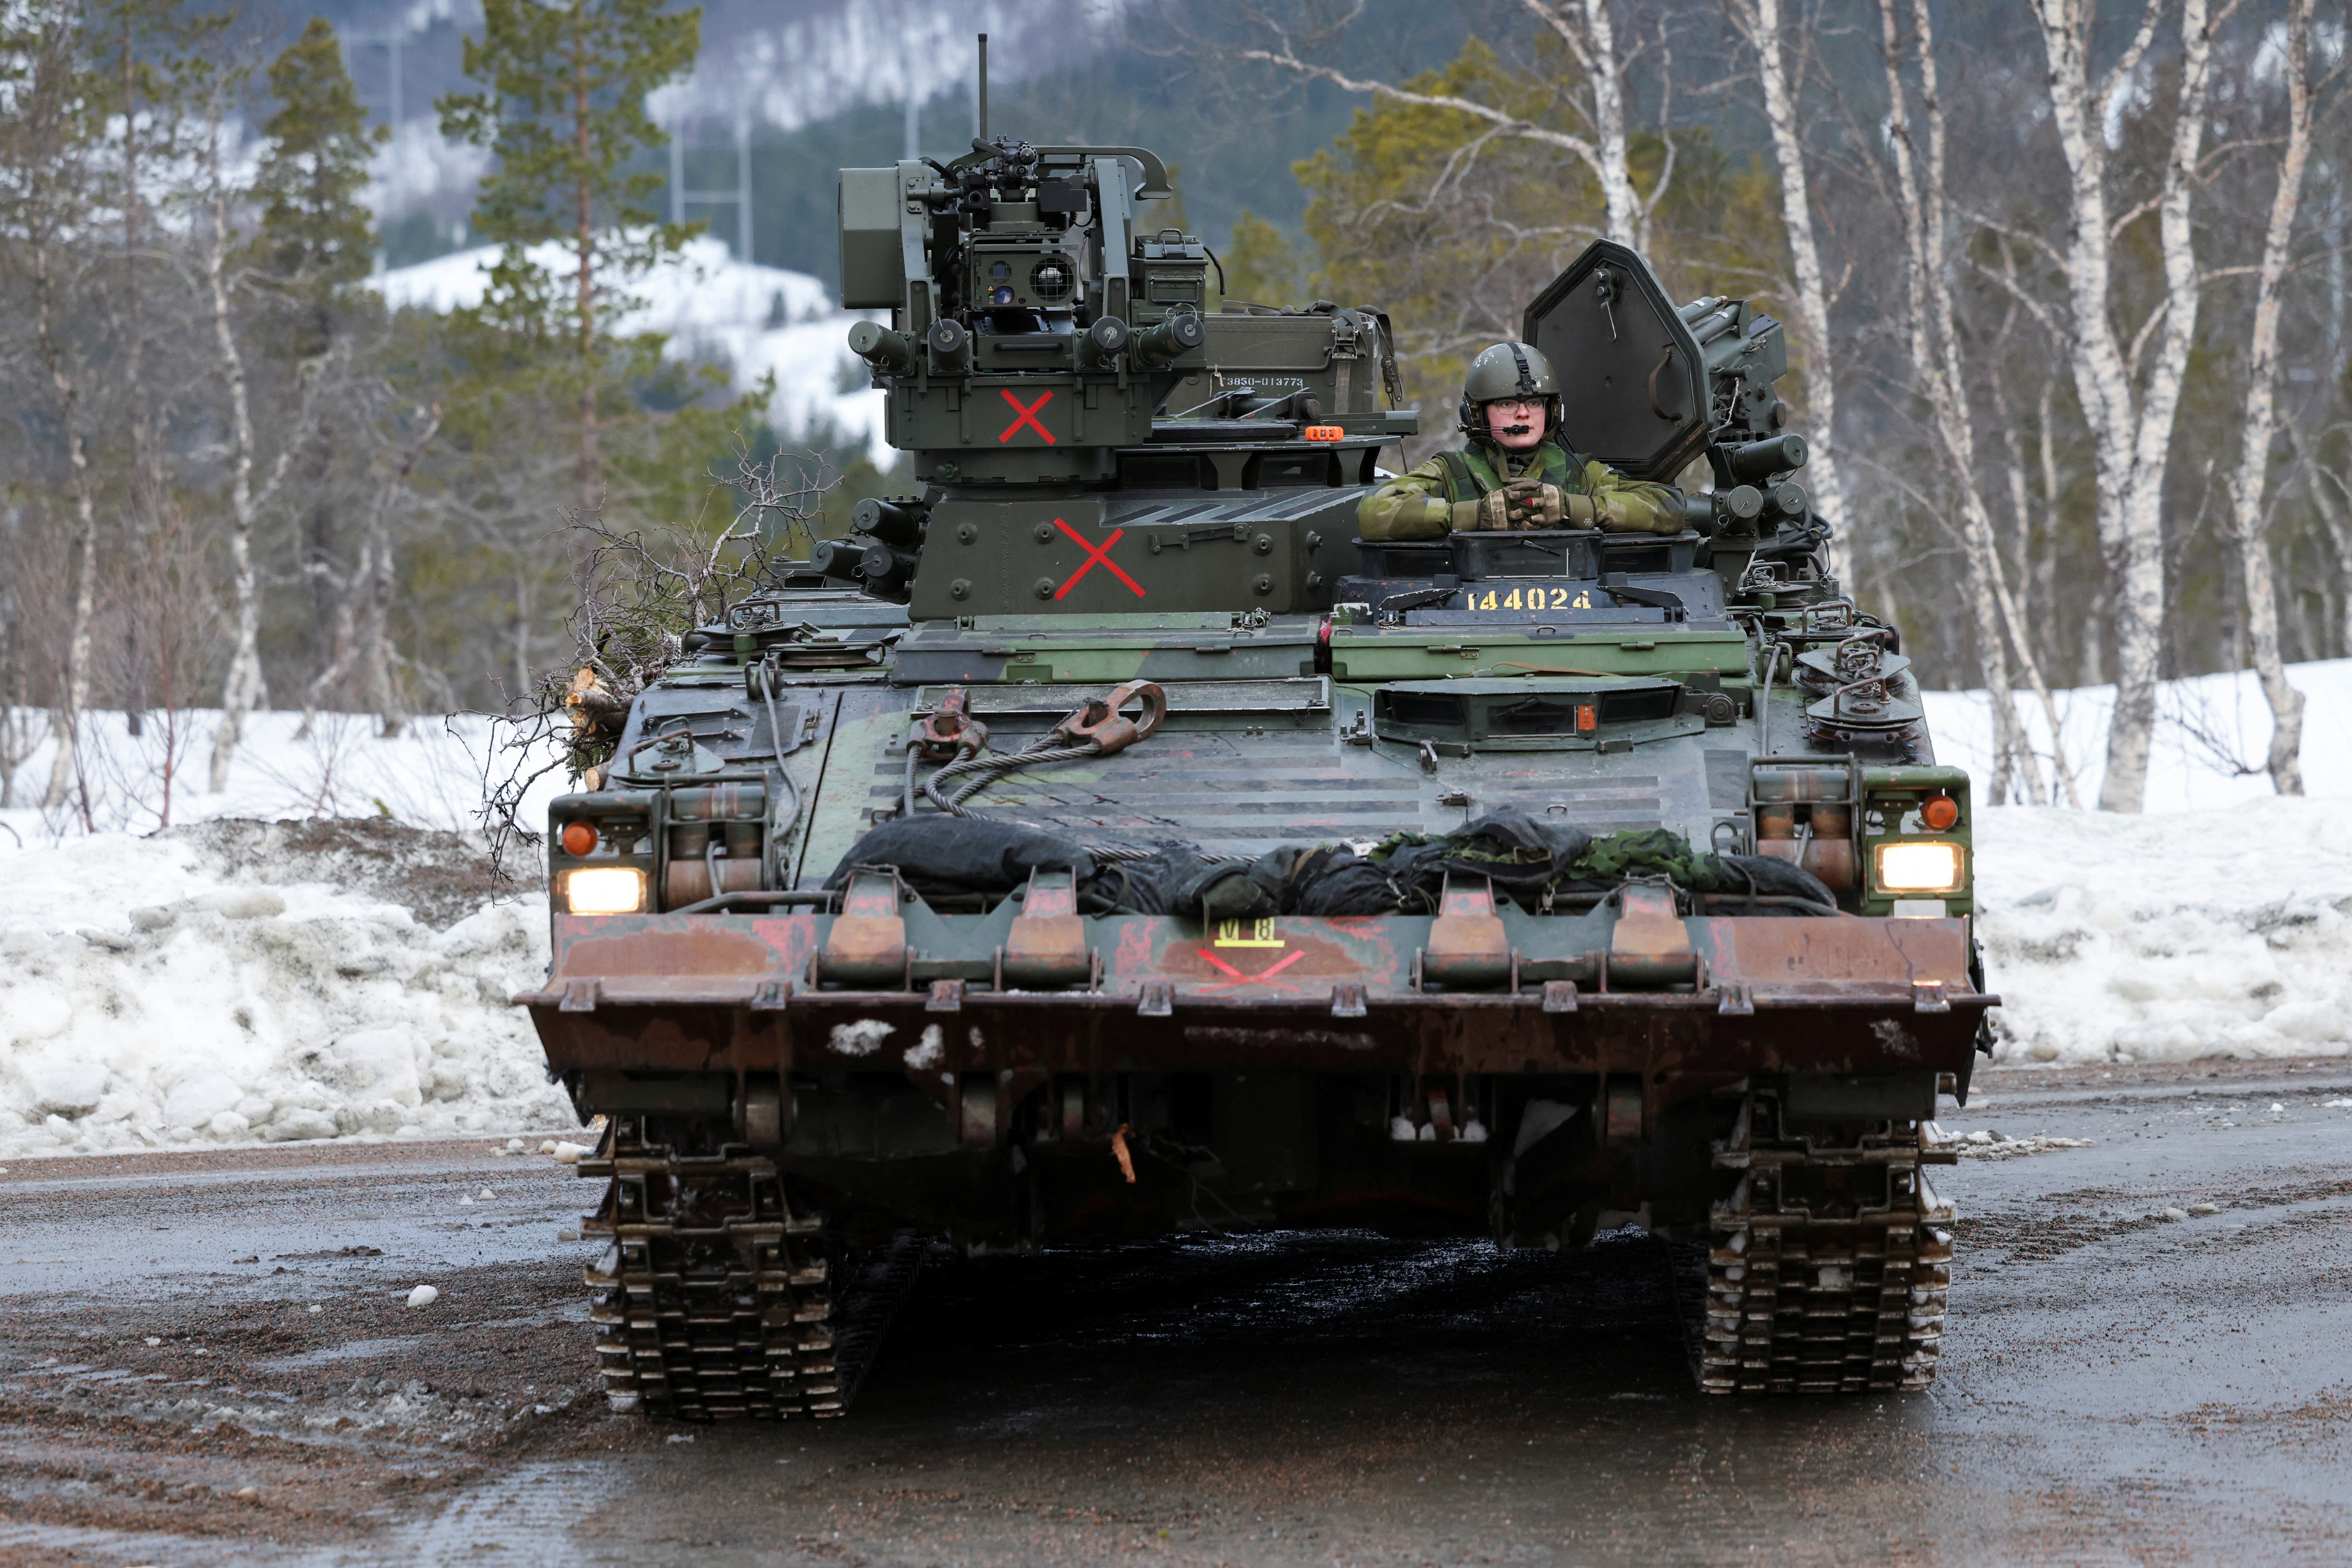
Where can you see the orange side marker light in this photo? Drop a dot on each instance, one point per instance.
(1940, 813)
(579, 838)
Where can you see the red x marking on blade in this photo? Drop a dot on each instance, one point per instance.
(1093, 556)
(1028, 415)
(1264, 977)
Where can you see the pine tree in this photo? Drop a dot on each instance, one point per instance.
(1261, 268)
(316, 240)
(562, 106)
(316, 233)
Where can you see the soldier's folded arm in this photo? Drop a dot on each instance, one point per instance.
(1411, 507)
(1620, 505)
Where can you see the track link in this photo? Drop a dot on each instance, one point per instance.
(712, 1300)
(1827, 1267)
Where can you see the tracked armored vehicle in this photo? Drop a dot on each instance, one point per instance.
(1104, 840)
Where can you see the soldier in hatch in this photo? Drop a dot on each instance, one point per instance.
(1516, 472)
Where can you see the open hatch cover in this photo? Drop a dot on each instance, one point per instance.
(1630, 393)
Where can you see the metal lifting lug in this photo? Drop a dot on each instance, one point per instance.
(949, 731)
(1468, 946)
(1098, 722)
(867, 945)
(1046, 945)
(1650, 946)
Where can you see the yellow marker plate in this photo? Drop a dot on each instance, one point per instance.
(1261, 934)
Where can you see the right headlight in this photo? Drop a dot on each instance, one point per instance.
(605, 891)
(1919, 867)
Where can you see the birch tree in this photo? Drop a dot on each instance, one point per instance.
(242, 688)
(1934, 335)
(2249, 516)
(1759, 23)
(1584, 28)
(2129, 408)
(312, 242)
(49, 138)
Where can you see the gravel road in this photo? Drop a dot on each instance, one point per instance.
(208, 1359)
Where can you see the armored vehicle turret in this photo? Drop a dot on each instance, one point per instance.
(1104, 840)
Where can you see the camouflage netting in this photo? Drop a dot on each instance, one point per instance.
(1406, 873)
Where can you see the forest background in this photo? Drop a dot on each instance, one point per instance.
(2065, 283)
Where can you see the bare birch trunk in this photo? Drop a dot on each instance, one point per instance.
(1760, 20)
(2131, 429)
(2017, 609)
(1936, 360)
(146, 487)
(362, 637)
(2333, 500)
(1592, 41)
(1583, 25)
(243, 685)
(585, 239)
(2249, 525)
(1625, 220)
(62, 380)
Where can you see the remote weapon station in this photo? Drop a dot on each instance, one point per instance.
(1104, 840)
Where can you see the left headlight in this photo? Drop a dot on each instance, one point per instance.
(605, 891)
(1919, 867)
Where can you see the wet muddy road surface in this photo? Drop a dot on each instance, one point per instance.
(207, 1359)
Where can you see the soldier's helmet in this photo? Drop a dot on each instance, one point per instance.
(1509, 370)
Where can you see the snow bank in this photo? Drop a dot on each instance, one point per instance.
(337, 978)
(2168, 937)
(758, 320)
(2208, 728)
(429, 775)
(232, 984)
(2218, 924)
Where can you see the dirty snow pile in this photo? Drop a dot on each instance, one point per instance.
(2168, 937)
(2219, 924)
(235, 982)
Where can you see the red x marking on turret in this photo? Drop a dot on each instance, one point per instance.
(1093, 556)
(1028, 415)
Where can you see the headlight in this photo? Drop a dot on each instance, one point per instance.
(1918, 867)
(605, 890)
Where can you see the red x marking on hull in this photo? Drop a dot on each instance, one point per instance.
(1264, 977)
(1095, 557)
(1026, 415)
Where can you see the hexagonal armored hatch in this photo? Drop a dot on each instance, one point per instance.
(1629, 392)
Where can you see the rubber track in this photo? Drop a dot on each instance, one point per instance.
(712, 1301)
(1828, 1267)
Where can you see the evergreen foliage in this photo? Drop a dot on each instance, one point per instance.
(1261, 265)
(561, 108)
(316, 233)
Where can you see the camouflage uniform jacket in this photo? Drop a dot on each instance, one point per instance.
(1456, 490)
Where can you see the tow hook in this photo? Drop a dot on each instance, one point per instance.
(1097, 723)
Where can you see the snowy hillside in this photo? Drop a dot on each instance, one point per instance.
(755, 320)
(328, 977)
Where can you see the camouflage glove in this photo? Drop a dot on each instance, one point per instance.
(1489, 513)
(1521, 503)
(1531, 503)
